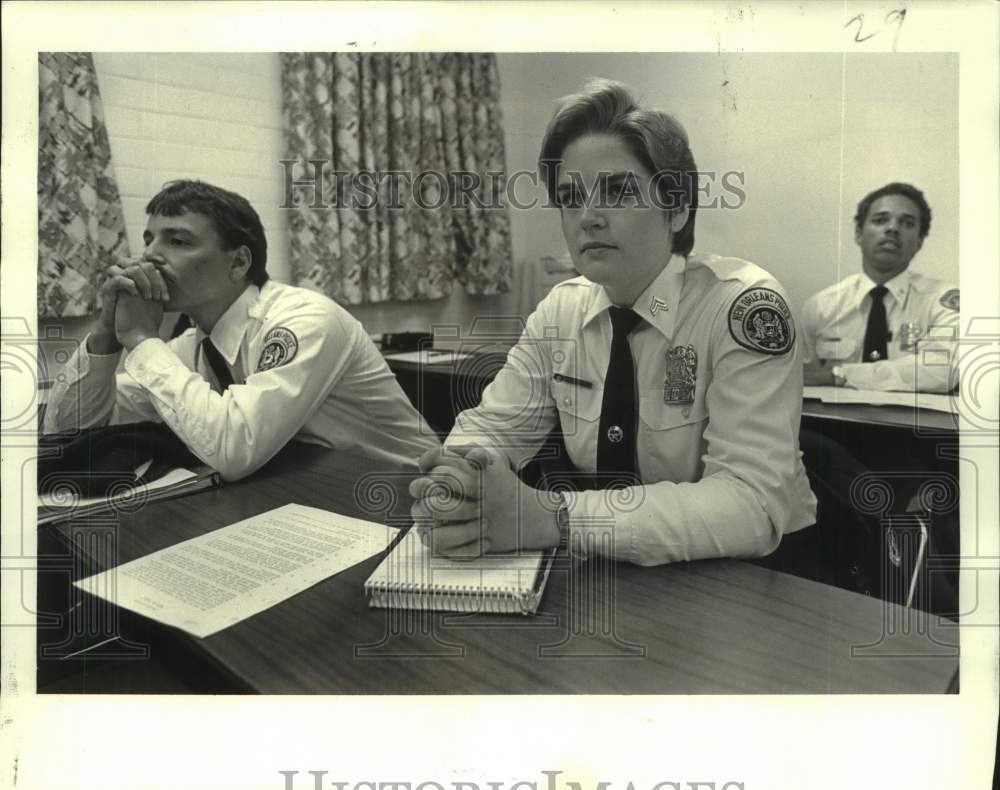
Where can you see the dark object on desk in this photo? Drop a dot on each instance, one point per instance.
(441, 391)
(849, 537)
(100, 461)
(919, 567)
(907, 556)
(406, 341)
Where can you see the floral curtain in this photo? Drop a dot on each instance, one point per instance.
(405, 145)
(81, 228)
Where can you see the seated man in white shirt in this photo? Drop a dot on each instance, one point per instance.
(673, 376)
(263, 362)
(882, 329)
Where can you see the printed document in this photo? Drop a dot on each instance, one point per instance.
(208, 583)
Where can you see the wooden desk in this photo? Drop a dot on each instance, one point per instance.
(707, 627)
(442, 390)
(905, 444)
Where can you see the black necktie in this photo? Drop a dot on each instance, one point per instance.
(616, 440)
(217, 363)
(877, 333)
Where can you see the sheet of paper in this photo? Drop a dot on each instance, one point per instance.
(923, 400)
(216, 580)
(429, 356)
(71, 500)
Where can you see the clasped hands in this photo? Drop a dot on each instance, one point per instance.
(470, 502)
(132, 298)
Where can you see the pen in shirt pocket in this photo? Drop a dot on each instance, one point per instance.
(570, 380)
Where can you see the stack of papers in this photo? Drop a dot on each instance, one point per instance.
(65, 506)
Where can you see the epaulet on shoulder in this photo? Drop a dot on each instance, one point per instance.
(729, 268)
(298, 296)
(926, 284)
(573, 282)
(283, 302)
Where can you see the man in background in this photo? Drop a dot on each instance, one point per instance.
(866, 330)
(263, 362)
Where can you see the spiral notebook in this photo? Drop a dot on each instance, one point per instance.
(411, 577)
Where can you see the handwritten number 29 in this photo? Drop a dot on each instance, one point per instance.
(893, 17)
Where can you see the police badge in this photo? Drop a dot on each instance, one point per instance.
(682, 362)
(909, 333)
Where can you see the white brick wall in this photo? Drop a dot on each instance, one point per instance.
(216, 117)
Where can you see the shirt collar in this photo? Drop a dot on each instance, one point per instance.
(227, 334)
(897, 286)
(657, 305)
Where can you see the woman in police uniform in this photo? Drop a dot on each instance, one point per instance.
(674, 377)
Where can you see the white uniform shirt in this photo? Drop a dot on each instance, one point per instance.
(720, 465)
(834, 322)
(302, 366)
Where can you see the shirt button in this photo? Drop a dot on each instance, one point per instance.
(686, 412)
(567, 401)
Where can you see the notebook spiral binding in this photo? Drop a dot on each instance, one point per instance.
(412, 595)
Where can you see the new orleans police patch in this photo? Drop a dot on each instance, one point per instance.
(760, 320)
(280, 345)
(950, 299)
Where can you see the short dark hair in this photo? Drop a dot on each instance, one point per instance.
(653, 137)
(232, 216)
(895, 188)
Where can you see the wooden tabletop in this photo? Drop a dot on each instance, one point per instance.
(720, 626)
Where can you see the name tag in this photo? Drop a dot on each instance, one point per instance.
(570, 380)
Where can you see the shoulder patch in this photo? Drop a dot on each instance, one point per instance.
(759, 319)
(949, 299)
(280, 346)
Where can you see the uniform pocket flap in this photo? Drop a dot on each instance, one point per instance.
(572, 396)
(661, 416)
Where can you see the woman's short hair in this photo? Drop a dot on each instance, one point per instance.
(896, 188)
(654, 137)
(232, 216)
